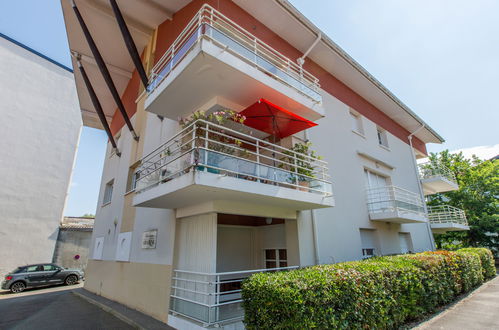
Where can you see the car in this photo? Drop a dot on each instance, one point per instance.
(31, 276)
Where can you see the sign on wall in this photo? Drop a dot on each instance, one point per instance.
(149, 239)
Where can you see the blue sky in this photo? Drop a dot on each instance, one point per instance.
(441, 58)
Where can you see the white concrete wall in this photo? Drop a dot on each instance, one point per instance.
(338, 227)
(39, 133)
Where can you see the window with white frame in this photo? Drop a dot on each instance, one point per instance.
(356, 122)
(382, 137)
(369, 243)
(132, 178)
(108, 192)
(275, 258)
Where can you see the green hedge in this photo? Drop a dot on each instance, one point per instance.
(379, 292)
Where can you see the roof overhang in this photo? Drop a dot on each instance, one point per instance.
(142, 17)
(285, 20)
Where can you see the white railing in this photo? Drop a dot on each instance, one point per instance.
(446, 214)
(210, 24)
(392, 199)
(430, 170)
(212, 148)
(210, 298)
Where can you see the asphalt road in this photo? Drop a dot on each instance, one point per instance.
(53, 308)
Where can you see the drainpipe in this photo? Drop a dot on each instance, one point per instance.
(314, 225)
(420, 185)
(301, 60)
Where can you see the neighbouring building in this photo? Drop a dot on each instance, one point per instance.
(188, 208)
(73, 241)
(39, 134)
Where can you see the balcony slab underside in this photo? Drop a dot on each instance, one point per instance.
(438, 184)
(198, 187)
(398, 216)
(208, 71)
(440, 228)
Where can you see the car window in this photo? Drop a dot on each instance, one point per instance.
(18, 270)
(32, 269)
(49, 267)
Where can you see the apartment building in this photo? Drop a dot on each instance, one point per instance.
(39, 134)
(212, 109)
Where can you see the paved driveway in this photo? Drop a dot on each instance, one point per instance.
(53, 308)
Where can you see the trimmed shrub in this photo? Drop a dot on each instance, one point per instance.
(487, 260)
(382, 292)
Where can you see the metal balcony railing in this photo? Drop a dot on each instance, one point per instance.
(210, 24)
(446, 214)
(210, 298)
(393, 199)
(212, 148)
(430, 170)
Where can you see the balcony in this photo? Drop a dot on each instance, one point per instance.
(211, 299)
(444, 218)
(214, 56)
(208, 162)
(436, 178)
(394, 204)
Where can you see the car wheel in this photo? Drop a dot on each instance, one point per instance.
(71, 280)
(17, 287)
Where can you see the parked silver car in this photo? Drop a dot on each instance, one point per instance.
(40, 275)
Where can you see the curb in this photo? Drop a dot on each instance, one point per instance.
(110, 311)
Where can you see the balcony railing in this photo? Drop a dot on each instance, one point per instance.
(393, 199)
(210, 298)
(212, 25)
(446, 214)
(430, 170)
(212, 148)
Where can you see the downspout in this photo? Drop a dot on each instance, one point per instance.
(314, 226)
(420, 185)
(301, 60)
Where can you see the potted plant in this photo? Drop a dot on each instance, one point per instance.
(300, 155)
(223, 145)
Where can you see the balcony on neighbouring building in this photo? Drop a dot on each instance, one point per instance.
(394, 204)
(207, 162)
(213, 56)
(436, 178)
(444, 218)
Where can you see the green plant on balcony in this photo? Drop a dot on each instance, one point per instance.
(299, 160)
(217, 139)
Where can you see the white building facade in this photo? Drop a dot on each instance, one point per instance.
(39, 134)
(186, 211)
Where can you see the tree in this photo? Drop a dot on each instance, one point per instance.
(88, 215)
(478, 196)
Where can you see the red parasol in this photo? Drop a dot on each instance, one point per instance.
(273, 119)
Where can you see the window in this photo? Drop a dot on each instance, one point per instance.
(405, 243)
(108, 192)
(374, 180)
(275, 258)
(357, 123)
(49, 268)
(382, 138)
(369, 242)
(132, 178)
(32, 269)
